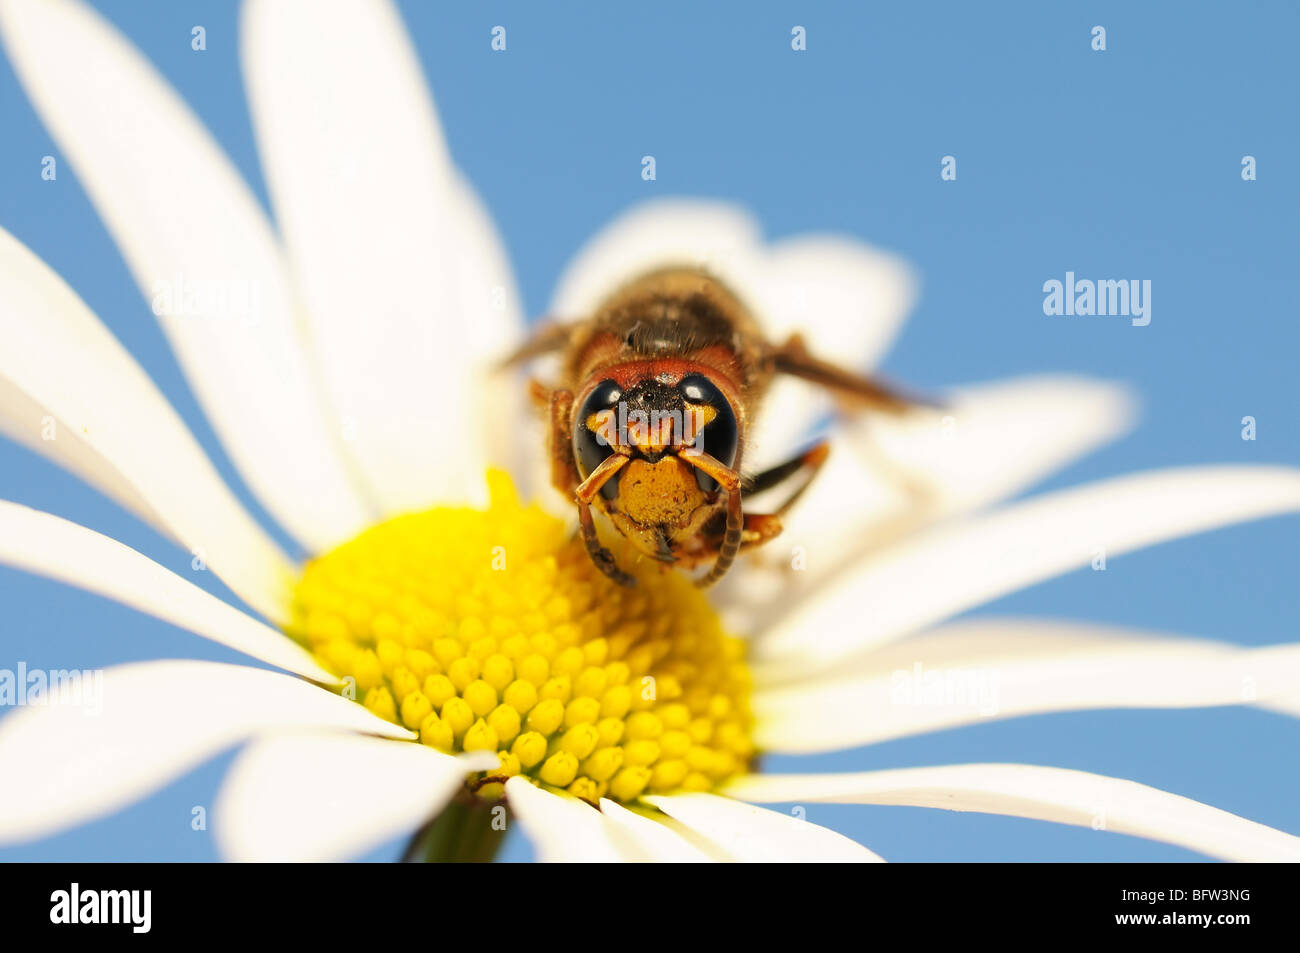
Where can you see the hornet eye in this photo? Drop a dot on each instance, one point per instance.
(719, 436)
(591, 440)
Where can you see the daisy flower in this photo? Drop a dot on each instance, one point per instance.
(449, 659)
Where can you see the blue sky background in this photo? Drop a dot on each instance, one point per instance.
(1122, 164)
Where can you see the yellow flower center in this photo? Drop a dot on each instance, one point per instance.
(491, 630)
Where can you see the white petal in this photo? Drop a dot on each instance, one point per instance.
(713, 235)
(989, 442)
(310, 797)
(201, 251)
(841, 293)
(754, 835)
(933, 682)
(491, 323)
(993, 639)
(22, 420)
(993, 440)
(657, 843)
(950, 569)
(58, 354)
(1048, 794)
(849, 302)
(41, 543)
(377, 228)
(145, 724)
(564, 829)
(1286, 706)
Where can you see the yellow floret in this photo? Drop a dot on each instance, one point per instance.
(573, 680)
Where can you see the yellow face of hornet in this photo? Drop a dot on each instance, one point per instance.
(657, 500)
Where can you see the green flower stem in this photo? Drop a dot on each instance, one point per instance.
(466, 832)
